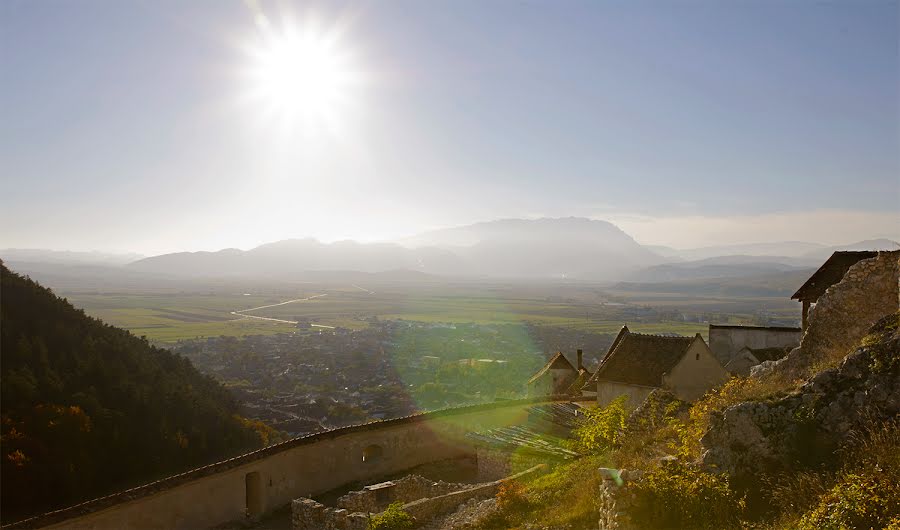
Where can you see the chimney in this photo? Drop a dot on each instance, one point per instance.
(580, 359)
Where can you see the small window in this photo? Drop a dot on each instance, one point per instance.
(697, 357)
(372, 453)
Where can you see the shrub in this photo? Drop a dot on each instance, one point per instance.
(511, 497)
(562, 498)
(680, 496)
(393, 518)
(868, 493)
(602, 427)
(857, 501)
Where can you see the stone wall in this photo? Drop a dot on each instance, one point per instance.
(407, 489)
(869, 290)
(307, 514)
(726, 341)
(804, 429)
(302, 467)
(492, 463)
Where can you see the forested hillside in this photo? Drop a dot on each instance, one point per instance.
(88, 408)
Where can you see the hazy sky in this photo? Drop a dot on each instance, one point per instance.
(139, 126)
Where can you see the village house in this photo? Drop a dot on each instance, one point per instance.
(637, 364)
(557, 376)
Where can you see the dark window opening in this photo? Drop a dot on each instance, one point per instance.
(372, 453)
(698, 357)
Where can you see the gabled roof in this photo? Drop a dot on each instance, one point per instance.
(583, 376)
(640, 359)
(622, 332)
(591, 384)
(830, 273)
(557, 362)
(768, 354)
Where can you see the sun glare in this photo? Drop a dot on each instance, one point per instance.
(301, 73)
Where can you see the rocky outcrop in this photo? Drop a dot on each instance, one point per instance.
(869, 290)
(805, 428)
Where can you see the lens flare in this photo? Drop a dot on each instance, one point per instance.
(300, 73)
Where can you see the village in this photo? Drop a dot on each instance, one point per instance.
(315, 379)
(636, 364)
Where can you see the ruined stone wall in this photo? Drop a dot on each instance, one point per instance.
(803, 429)
(869, 290)
(407, 489)
(307, 514)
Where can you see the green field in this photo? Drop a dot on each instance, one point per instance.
(168, 316)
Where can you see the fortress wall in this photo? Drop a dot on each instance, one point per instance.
(844, 313)
(868, 292)
(726, 341)
(272, 477)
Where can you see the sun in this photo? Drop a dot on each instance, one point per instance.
(301, 72)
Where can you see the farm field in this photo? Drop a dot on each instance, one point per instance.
(169, 317)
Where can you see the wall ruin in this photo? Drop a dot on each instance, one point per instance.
(840, 318)
(307, 514)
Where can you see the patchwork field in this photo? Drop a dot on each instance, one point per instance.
(170, 316)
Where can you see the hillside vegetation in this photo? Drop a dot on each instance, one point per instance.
(88, 409)
(821, 461)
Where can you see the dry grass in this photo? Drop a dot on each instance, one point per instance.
(736, 390)
(868, 477)
(567, 497)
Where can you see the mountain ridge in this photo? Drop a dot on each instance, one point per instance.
(566, 247)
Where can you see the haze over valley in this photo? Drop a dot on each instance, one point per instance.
(449, 265)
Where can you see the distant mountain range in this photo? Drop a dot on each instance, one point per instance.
(512, 248)
(36, 255)
(564, 248)
(808, 252)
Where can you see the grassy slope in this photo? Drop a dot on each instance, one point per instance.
(861, 488)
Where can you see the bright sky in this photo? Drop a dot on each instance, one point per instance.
(164, 125)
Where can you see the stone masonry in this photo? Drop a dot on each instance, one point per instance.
(307, 514)
(869, 290)
(407, 489)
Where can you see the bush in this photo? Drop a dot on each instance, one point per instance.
(868, 493)
(679, 496)
(857, 501)
(511, 497)
(602, 428)
(393, 518)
